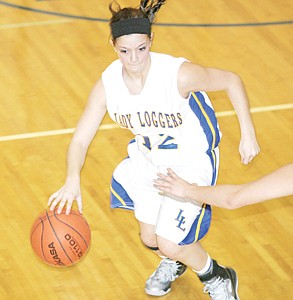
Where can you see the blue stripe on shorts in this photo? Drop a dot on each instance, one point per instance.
(199, 227)
(119, 197)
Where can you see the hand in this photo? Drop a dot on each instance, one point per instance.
(172, 185)
(248, 149)
(66, 195)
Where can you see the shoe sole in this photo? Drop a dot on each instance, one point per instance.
(157, 293)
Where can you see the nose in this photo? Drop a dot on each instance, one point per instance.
(133, 57)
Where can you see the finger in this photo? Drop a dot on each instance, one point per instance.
(55, 202)
(165, 178)
(79, 203)
(68, 207)
(174, 176)
(157, 186)
(171, 172)
(160, 187)
(162, 192)
(250, 159)
(162, 176)
(163, 184)
(61, 205)
(246, 160)
(159, 181)
(52, 197)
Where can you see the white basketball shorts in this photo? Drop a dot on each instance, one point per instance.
(132, 188)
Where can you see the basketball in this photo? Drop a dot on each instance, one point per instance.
(60, 240)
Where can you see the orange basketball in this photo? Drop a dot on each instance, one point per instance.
(60, 240)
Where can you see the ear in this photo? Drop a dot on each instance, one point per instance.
(112, 44)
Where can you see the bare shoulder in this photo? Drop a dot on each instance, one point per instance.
(194, 77)
(189, 68)
(97, 94)
(98, 87)
(190, 77)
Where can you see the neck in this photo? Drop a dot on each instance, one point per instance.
(135, 80)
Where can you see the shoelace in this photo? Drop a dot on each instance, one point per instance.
(166, 271)
(218, 289)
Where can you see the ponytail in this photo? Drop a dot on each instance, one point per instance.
(150, 9)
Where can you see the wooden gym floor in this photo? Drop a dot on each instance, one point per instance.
(51, 54)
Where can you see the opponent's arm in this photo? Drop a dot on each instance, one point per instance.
(274, 185)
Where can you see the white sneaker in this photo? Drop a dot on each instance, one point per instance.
(159, 283)
(223, 287)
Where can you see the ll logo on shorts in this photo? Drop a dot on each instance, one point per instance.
(180, 218)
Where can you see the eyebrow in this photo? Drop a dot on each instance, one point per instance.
(143, 44)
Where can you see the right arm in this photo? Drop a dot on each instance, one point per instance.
(85, 131)
(193, 77)
(274, 185)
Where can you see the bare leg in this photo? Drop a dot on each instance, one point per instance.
(217, 279)
(148, 236)
(192, 255)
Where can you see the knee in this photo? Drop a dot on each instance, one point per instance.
(169, 249)
(149, 240)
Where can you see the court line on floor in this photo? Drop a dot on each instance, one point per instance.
(257, 109)
(35, 10)
(113, 126)
(37, 23)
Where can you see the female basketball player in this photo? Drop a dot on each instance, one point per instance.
(274, 185)
(161, 100)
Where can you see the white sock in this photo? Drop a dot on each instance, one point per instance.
(206, 268)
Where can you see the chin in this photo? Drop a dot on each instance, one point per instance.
(135, 69)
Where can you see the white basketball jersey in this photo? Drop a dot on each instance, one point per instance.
(169, 129)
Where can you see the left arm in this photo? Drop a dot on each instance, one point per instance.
(192, 77)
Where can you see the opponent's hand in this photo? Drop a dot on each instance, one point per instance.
(172, 185)
(66, 195)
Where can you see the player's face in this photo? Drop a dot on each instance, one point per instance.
(133, 51)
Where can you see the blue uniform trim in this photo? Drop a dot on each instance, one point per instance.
(208, 121)
(209, 124)
(200, 226)
(119, 197)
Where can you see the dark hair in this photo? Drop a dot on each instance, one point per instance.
(147, 9)
(151, 9)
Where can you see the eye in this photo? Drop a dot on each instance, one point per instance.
(123, 51)
(142, 48)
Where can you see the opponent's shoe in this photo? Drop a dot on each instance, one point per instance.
(224, 286)
(159, 283)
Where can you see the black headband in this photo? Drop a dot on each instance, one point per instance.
(130, 26)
